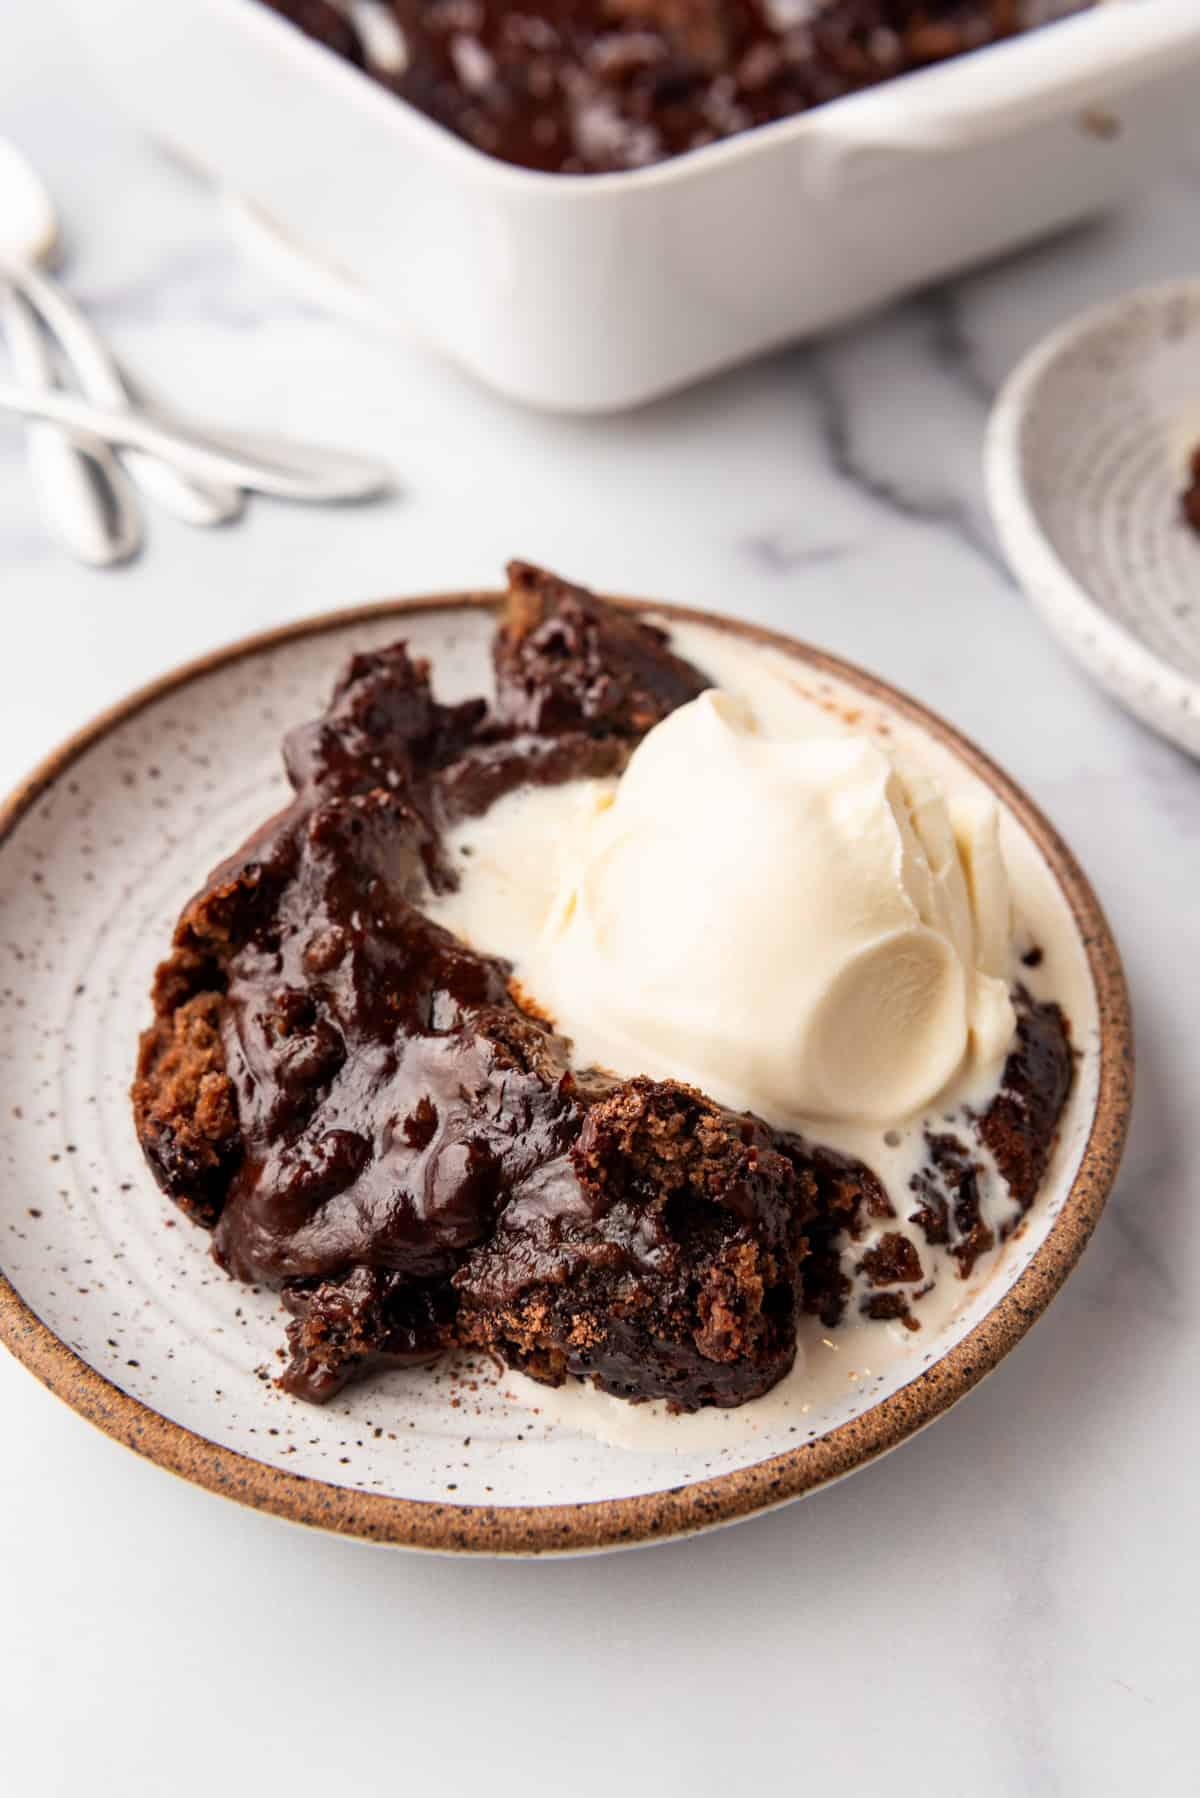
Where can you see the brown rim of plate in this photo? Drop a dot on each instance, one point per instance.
(678, 1511)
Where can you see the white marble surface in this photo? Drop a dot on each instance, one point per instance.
(1005, 1606)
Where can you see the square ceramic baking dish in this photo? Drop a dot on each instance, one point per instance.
(591, 293)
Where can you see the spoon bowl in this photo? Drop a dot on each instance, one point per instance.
(28, 221)
(84, 490)
(81, 488)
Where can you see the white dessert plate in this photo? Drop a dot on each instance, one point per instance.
(111, 1298)
(1086, 461)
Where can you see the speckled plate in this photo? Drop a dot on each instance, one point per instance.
(1086, 458)
(110, 1296)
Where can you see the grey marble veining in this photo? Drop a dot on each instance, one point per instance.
(1005, 1606)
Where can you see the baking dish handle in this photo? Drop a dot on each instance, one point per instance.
(1001, 92)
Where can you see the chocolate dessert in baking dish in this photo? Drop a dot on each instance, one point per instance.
(596, 86)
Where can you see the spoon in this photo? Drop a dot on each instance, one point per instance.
(258, 461)
(81, 491)
(102, 382)
(29, 236)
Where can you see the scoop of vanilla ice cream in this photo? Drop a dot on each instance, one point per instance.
(798, 926)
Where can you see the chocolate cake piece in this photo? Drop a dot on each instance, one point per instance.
(369, 1317)
(566, 661)
(848, 1196)
(354, 1102)
(1019, 1130)
(949, 1210)
(1020, 1125)
(671, 1273)
(191, 1118)
(184, 1100)
(596, 86)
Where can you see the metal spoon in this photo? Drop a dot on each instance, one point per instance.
(83, 495)
(261, 462)
(29, 236)
(101, 381)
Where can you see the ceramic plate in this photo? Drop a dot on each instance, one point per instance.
(1086, 460)
(110, 1295)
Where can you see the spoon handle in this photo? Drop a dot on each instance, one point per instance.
(193, 500)
(298, 471)
(83, 494)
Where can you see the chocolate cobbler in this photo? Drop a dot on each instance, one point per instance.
(593, 86)
(365, 1115)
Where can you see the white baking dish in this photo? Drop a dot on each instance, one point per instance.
(595, 292)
